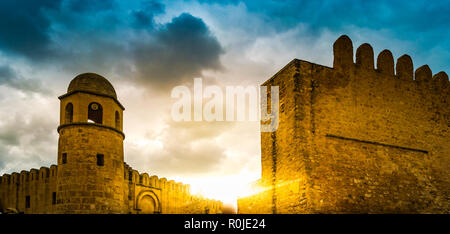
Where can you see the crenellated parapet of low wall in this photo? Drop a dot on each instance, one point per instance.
(29, 191)
(402, 70)
(34, 191)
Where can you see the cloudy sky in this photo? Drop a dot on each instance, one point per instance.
(145, 48)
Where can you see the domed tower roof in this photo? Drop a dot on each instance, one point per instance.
(94, 83)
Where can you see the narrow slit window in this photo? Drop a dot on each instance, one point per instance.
(69, 113)
(53, 198)
(100, 160)
(27, 202)
(64, 158)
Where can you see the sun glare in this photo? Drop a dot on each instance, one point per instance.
(226, 189)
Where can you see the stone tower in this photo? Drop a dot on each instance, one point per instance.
(355, 138)
(90, 148)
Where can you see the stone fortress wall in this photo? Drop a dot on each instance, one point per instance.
(356, 139)
(40, 186)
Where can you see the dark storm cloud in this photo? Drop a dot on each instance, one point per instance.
(24, 27)
(144, 16)
(89, 5)
(180, 50)
(416, 15)
(163, 55)
(99, 36)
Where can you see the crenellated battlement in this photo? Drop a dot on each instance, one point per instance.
(134, 177)
(44, 172)
(404, 69)
(30, 191)
(33, 175)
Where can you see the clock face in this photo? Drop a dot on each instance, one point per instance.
(94, 106)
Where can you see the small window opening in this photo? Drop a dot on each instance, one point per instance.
(100, 160)
(64, 158)
(27, 202)
(53, 198)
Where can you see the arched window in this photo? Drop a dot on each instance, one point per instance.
(117, 120)
(69, 113)
(95, 113)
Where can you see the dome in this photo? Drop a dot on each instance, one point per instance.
(92, 82)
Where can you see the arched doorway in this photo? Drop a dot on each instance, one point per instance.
(147, 203)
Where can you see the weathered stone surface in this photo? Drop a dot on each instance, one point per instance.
(441, 78)
(343, 52)
(364, 56)
(423, 73)
(385, 62)
(404, 68)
